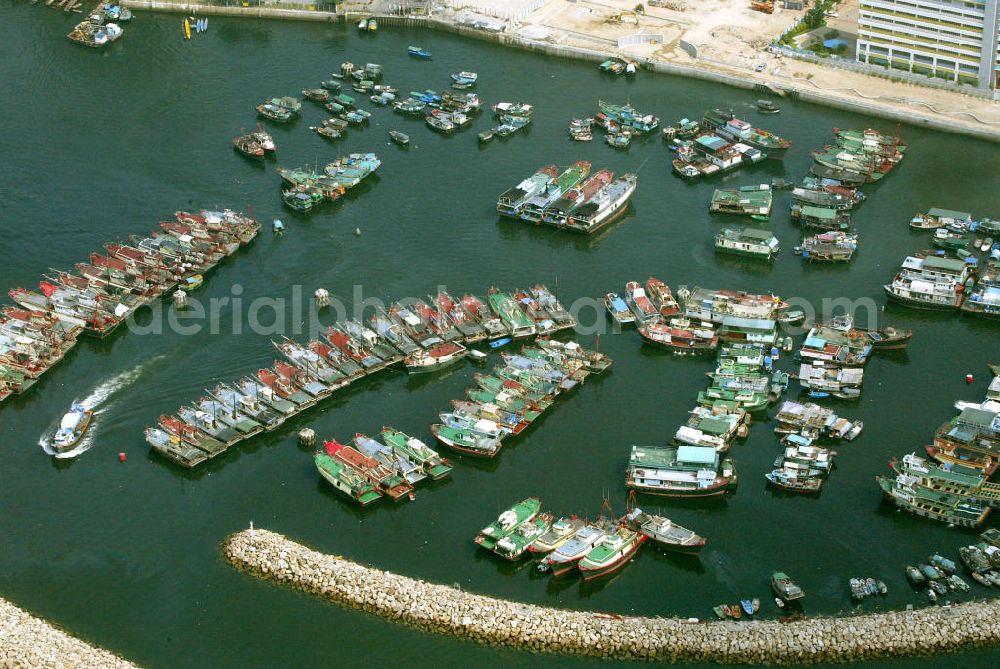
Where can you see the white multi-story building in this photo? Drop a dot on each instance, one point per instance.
(955, 40)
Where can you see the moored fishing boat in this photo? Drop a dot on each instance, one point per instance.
(728, 126)
(343, 477)
(399, 138)
(506, 309)
(611, 553)
(515, 545)
(418, 52)
(507, 522)
(559, 532)
(664, 532)
(385, 480)
(609, 203)
(532, 209)
(248, 146)
(932, 504)
(618, 309)
(566, 557)
(682, 471)
(557, 213)
(751, 242)
(628, 117)
(434, 358)
(691, 340)
(433, 464)
(785, 588)
(513, 200)
(467, 441)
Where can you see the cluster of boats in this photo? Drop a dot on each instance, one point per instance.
(940, 577)
(858, 156)
(511, 117)
(866, 587)
(96, 31)
(699, 318)
(620, 123)
(618, 66)
(952, 483)
(368, 469)
(411, 332)
(574, 199)
(593, 549)
(306, 187)
(108, 287)
(834, 246)
(835, 352)
(983, 559)
(257, 144)
(720, 143)
(516, 393)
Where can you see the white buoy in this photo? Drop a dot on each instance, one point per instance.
(307, 436)
(180, 299)
(357, 232)
(322, 298)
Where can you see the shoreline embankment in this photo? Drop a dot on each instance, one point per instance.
(838, 100)
(446, 610)
(27, 641)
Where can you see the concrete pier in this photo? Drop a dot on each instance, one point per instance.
(446, 610)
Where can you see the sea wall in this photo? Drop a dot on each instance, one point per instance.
(446, 610)
(848, 100)
(26, 641)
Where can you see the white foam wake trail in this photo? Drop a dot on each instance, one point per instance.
(93, 401)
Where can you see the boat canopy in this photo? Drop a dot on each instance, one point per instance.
(70, 421)
(701, 455)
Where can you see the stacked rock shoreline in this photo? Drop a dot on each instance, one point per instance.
(26, 641)
(447, 610)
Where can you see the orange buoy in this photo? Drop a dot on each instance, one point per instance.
(122, 457)
(969, 378)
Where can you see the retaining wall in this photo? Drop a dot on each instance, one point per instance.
(447, 610)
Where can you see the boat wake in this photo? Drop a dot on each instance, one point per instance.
(98, 397)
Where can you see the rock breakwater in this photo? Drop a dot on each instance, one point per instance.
(27, 641)
(446, 610)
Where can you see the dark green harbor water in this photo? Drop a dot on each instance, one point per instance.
(100, 145)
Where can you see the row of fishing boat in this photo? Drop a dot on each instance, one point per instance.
(574, 199)
(367, 469)
(859, 156)
(103, 291)
(593, 549)
(507, 401)
(412, 333)
(950, 482)
(307, 187)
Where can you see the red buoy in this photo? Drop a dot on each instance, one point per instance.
(969, 378)
(122, 457)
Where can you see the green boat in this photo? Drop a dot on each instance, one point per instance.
(433, 464)
(869, 140)
(506, 309)
(346, 479)
(528, 380)
(344, 100)
(496, 385)
(302, 197)
(515, 545)
(507, 522)
(533, 208)
(611, 553)
(749, 400)
(752, 201)
(467, 441)
(289, 104)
